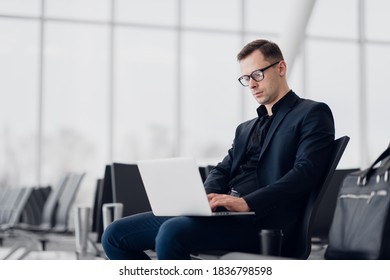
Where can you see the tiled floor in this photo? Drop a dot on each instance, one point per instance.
(58, 247)
(64, 248)
(68, 255)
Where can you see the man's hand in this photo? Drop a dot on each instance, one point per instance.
(234, 204)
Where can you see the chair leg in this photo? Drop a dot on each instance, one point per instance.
(43, 244)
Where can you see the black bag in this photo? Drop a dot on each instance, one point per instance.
(361, 224)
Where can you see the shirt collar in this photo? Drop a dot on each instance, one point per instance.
(262, 111)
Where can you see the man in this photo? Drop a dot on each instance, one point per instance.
(275, 161)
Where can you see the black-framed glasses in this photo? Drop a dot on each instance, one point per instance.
(257, 75)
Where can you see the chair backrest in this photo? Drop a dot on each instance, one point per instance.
(13, 205)
(7, 195)
(51, 204)
(32, 213)
(20, 205)
(203, 172)
(66, 201)
(10, 198)
(129, 189)
(301, 248)
(327, 206)
(104, 195)
(96, 205)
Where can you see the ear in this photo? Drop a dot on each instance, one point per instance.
(282, 68)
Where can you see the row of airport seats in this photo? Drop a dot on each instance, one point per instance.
(12, 202)
(31, 217)
(122, 184)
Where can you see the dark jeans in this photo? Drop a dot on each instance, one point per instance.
(176, 238)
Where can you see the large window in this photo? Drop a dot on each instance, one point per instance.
(334, 19)
(20, 7)
(78, 9)
(221, 15)
(211, 94)
(378, 137)
(75, 111)
(144, 101)
(19, 101)
(337, 87)
(160, 13)
(130, 79)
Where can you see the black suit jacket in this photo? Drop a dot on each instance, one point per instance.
(292, 161)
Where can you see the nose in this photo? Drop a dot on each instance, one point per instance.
(252, 83)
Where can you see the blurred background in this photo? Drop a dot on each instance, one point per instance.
(84, 83)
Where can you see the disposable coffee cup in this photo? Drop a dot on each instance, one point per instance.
(271, 242)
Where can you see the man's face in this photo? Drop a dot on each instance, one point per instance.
(267, 91)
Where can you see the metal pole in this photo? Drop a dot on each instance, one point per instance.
(111, 86)
(41, 74)
(293, 33)
(362, 113)
(177, 149)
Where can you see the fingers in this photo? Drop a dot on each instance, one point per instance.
(237, 204)
(212, 195)
(215, 200)
(223, 200)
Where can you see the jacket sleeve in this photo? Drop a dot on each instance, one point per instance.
(218, 179)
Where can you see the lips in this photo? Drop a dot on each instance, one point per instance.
(257, 94)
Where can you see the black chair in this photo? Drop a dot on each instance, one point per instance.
(56, 210)
(12, 206)
(65, 203)
(327, 206)
(9, 198)
(301, 247)
(13, 203)
(104, 195)
(129, 189)
(32, 213)
(203, 172)
(96, 209)
(48, 209)
(55, 216)
(121, 183)
(19, 230)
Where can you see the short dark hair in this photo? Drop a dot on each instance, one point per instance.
(270, 50)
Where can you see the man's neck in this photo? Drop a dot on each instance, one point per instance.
(269, 106)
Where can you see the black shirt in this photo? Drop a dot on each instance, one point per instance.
(244, 182)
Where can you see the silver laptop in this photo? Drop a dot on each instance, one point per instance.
(174, 188)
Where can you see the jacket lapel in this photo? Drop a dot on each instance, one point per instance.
(241, 143)
(283, 111)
